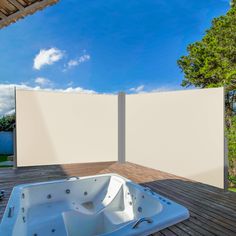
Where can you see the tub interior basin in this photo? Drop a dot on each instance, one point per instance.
(82, 207)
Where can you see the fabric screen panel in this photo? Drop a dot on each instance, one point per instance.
(180, 132)
(62, 128)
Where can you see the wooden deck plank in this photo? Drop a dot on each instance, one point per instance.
(195, 204)
(212, 207)
(212, 210)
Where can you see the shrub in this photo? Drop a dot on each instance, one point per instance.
(231, 136)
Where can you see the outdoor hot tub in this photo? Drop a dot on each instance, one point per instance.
(96, 205)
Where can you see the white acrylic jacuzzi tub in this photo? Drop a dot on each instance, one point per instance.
(96, 205)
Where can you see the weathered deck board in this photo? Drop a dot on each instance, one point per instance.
(212, 210)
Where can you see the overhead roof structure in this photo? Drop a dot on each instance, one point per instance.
(13, 10)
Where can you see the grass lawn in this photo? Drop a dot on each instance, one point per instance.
(3, 158)
(232, 189)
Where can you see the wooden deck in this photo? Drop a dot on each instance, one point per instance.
(213, 211)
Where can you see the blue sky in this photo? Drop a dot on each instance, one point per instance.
(105, 46)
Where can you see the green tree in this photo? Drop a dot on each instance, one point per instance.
(7, 123)
(211, 63)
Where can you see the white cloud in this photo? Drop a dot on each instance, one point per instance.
(161, 89)
(72, 63)
(85, 57)
(139, 89)
(42, 81)
(7, 99)
(77, 62)
(166, 89)
(7, 102)
(75, 90)
(47, 57)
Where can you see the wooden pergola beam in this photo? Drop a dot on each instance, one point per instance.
(17, 4)
(22, 11)
(2, 16)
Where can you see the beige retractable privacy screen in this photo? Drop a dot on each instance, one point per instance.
(179, 132)
(60, 128)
